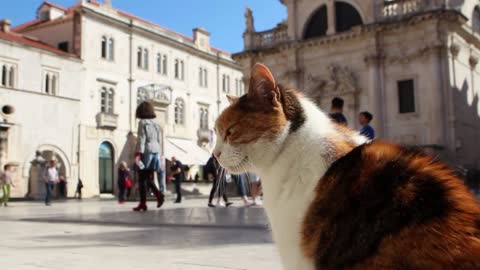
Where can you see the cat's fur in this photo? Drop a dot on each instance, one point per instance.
(335, 202)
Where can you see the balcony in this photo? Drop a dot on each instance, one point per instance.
(399, 8)
(203, 135)
(107, 120)
(266, 39)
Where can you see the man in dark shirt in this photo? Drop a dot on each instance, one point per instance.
(364, 118)
(179, 175)
(336, 111)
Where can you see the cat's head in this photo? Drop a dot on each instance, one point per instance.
(252, 130)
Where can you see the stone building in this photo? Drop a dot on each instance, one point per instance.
(78, 75)
(412, 63)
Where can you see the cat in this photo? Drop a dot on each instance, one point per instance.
(335, 200)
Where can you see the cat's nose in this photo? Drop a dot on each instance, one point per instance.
(217, 154)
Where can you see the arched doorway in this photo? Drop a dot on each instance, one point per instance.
(105, 168)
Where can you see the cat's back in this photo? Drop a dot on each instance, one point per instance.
(382, 206)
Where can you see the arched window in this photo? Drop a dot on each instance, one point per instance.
(103, 99)
(139, 57)
(111, 49)
(177, 67)
(200, 76)
(346, 17)
(4, 75)
(54, 85)
(164, 64)
(47, 84)
(179, 111)
(104, 47)
(205, 77)
(145, 59)
(11, 77)
(110, 101)
(317, 25)
(476, 20)
(182, 70)
(203, 118)
(159, 63)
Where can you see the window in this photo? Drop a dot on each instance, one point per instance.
(164, 65)
(203, 118)
(11, 77)
(104, 47)
(63, 46)
(145, 59)
(111, 47)
(106, 100)
(108, 48)
(139, 57)
(182, 69)
(176, 71)
(47, 84)
(346, 17)
(51, 82)
(226, 83)
(317, 24)
(202, 77)
(179, 111)
(54, 85)
(476, 20)
(205, 77)
(159, 63)
(406, 96)
(238, 90)
(4, 75)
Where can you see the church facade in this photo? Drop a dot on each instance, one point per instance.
(411, 63)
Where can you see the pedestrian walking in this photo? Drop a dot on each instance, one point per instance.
(78, 190)
(62, 187)
(179, 176)
(147, 158)
(219, 183)
(364, 118)
(255, 188)
(241, 181)
(50, 176)
(6, 182)
(336, 111)
(123, 181)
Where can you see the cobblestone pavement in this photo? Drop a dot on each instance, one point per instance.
(94, 234)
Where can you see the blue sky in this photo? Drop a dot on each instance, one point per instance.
(224, 19)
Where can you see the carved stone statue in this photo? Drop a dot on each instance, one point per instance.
(249, 21)
(340, 81)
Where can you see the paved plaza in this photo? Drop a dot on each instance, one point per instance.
(95, 234)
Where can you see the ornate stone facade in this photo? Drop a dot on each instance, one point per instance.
(412, 63)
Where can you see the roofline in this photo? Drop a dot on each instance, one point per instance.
(48, 3)
(190, 46)
(50, 49)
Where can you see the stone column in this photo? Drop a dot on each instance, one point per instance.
(331, 17)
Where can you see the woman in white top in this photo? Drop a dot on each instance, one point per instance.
(6, 181)
(50, 176)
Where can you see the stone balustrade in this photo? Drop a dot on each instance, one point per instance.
(269, 38)
(398, 8)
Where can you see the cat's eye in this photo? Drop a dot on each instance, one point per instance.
(228, 133)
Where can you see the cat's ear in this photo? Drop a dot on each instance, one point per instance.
(232, 99)
(262, 86)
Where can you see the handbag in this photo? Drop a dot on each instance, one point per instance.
(128, 182)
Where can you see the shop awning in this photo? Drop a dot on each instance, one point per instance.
(186, 151)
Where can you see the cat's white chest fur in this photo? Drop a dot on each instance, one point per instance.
(286, 206)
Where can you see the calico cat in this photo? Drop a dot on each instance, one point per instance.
(335, 200)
